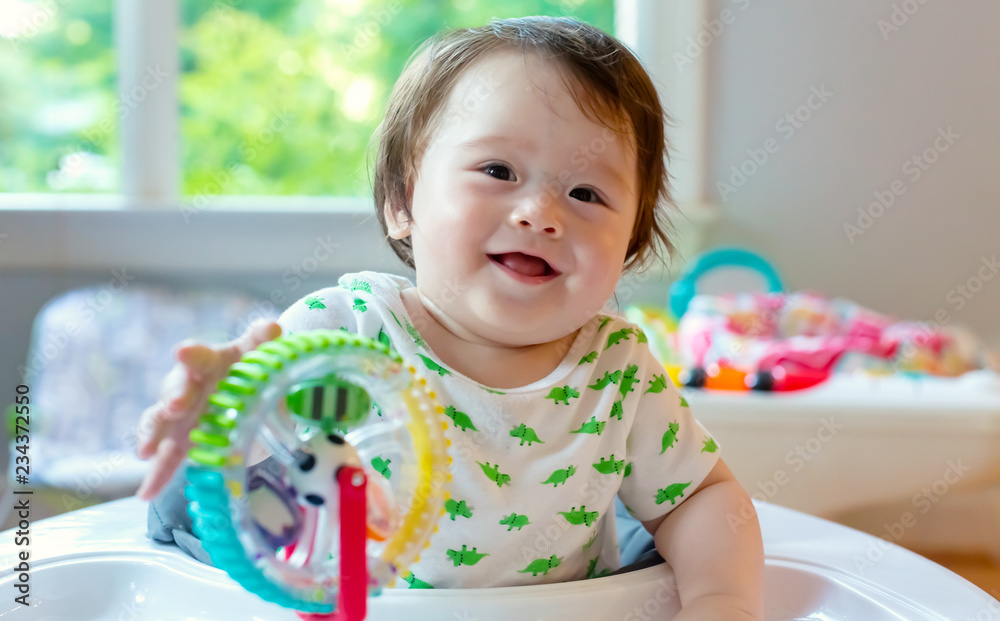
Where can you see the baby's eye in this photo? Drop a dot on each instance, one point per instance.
(584, 194)
(499, 171)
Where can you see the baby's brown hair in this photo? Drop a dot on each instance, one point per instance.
(621, 96)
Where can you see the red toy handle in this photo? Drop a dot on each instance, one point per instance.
(352, 599)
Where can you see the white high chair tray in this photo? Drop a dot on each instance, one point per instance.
(97, 564)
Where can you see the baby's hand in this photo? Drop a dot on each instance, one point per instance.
(164, 426)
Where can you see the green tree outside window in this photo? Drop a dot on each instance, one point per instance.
(276, 98)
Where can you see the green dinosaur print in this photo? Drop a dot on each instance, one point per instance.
(384, 338)
(560, 476)
(563, 394)
(493, 473)
(604, 322)
(590, 542)
(710, 446)
(419, 340)
(433, 366)
(398, 323)
(527, 434)
(609, 378)
(541, 566)
(618, 336)
(671, 493)
(588, 358)
(495, 392)
(461, 419)
(641, 336)
(363, 285)
(514, 521)
(579, 516)
(414, 582)
(455, 509)
(592, 426)
(465, 556)
(381, 466)
(628, 469)
(314, 302)
(628, 379)
(592, 566)
(684, 402)
(610, 465)
(657, 384)
(669, 437)
(359, 305)
(616, 410)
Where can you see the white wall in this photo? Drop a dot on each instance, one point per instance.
(891, 94)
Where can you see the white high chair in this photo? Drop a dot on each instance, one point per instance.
(96, 564)
(96, 361)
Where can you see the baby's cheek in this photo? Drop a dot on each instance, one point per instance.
(604, 278)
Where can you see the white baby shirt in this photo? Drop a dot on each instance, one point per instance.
(536, 468)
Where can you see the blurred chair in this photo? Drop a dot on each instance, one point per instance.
(96, 361)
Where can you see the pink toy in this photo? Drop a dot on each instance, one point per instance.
(793, 341)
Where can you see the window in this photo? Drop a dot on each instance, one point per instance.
(132, 128)
(281, 98)
(276, 98)
(58, 108)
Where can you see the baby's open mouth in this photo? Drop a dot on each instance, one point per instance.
(524, 264)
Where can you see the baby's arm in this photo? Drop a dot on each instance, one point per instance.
(713, 543)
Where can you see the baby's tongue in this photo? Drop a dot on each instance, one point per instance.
(523, 264)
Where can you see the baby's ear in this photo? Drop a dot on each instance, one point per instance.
(396, 222)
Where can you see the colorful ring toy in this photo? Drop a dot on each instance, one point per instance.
(306, 400)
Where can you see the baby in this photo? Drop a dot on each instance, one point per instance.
(520, 172)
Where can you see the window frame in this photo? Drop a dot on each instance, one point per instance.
(148, 225)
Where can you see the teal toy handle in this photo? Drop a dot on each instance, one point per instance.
(683, 289)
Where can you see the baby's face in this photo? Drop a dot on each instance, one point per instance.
(515, 168)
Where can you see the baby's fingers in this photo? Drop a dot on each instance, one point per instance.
(179, 389)
(168, 458)
(177, 408)
(186, 386)
(164, 427)
(151, 428)
(259, 332)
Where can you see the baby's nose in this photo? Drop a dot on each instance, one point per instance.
(538, 214)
